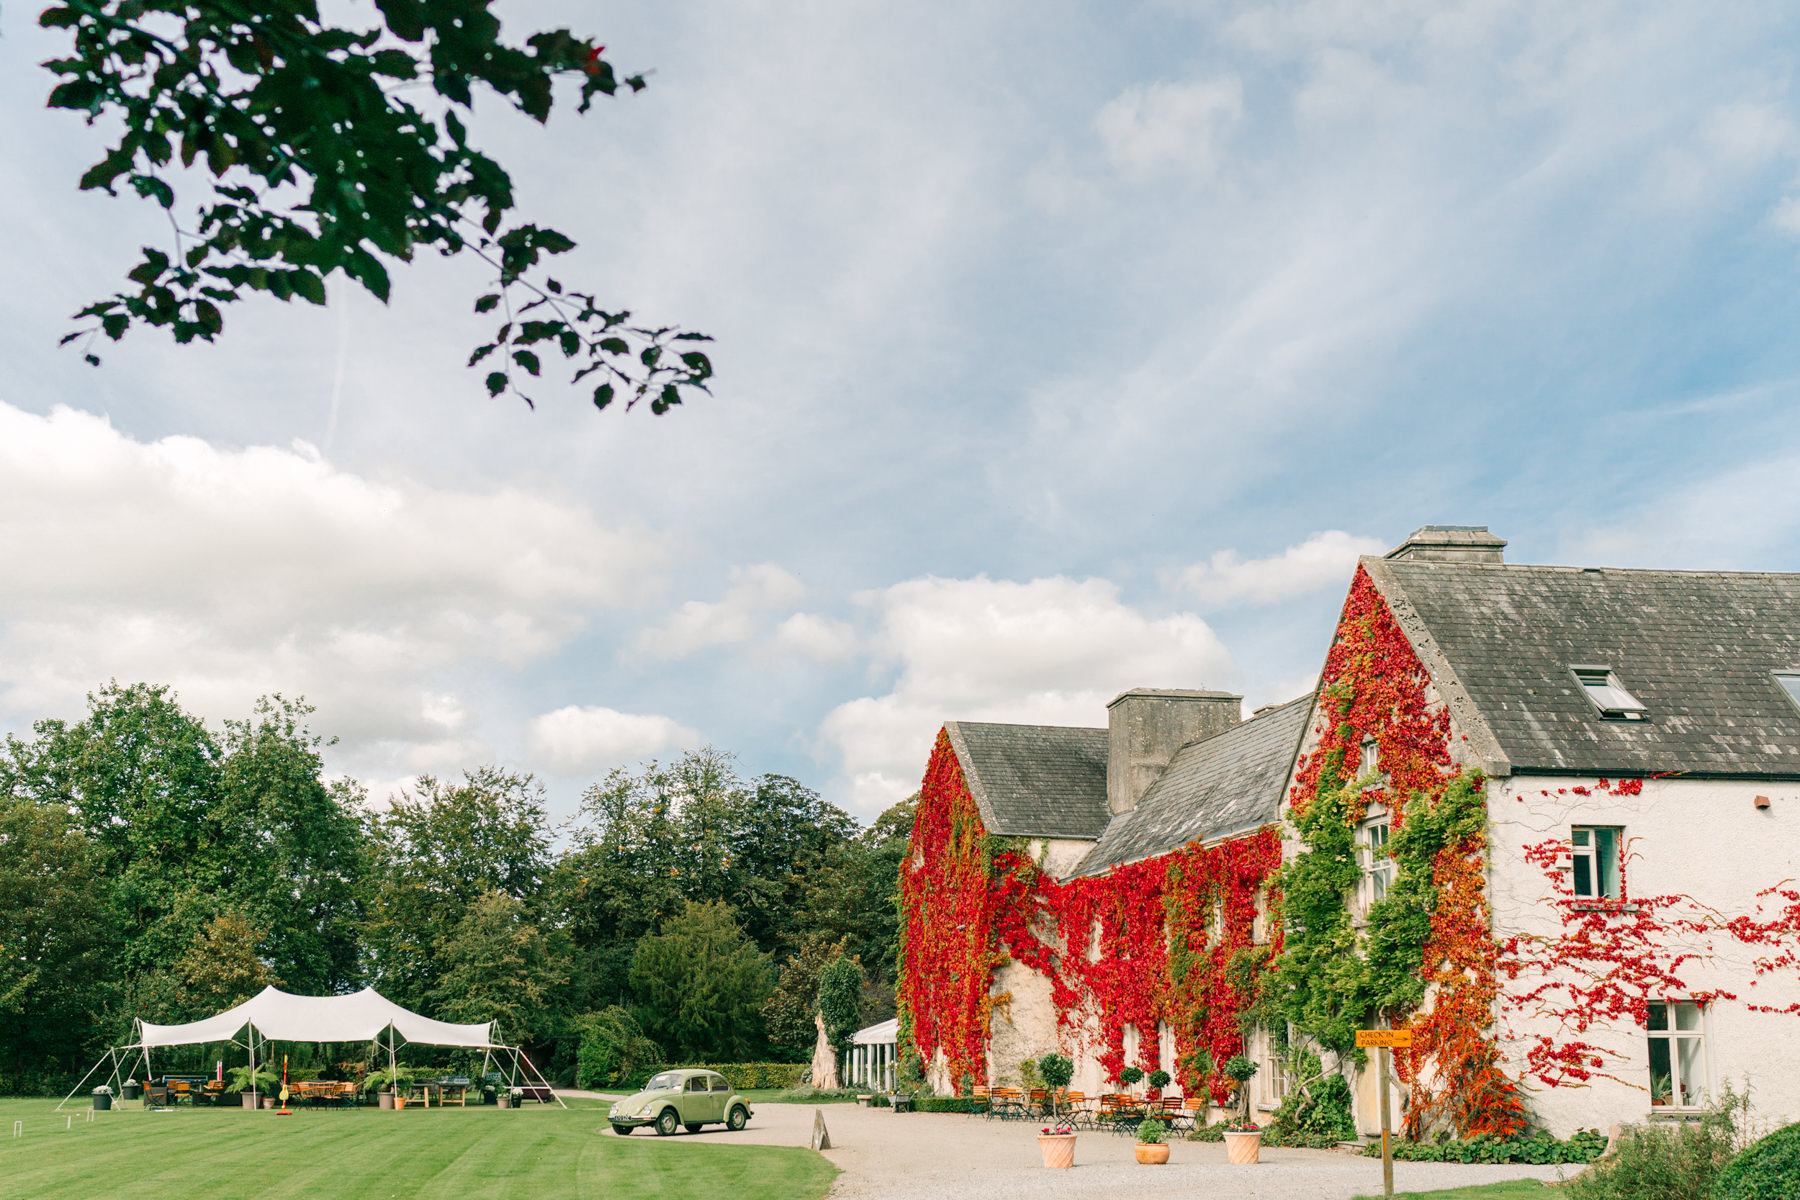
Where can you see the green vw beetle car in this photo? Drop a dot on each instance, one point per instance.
(690, 1098)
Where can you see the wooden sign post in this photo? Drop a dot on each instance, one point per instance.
(1385, 1040)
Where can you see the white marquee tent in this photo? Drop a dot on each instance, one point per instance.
(273, 1015)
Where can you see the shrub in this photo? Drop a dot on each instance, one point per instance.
(1659, 1162)
(943, 1104)
(1207, 1133)
(1768, 1170)
(1159, 1080)
(1316, 1113)
(1151, 1133)
(1129, 1076)
(1057, 1070)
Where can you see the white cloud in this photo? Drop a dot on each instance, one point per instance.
(1322, 560)
(1051, 651)
(818, 638)
(592, 738)
(1168, 124)
(734, 618)
(230, 572)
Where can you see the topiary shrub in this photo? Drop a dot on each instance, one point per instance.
(1768, 1170)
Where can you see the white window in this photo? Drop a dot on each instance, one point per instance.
(1369, 760)
(1594, 861)
(1790, 683)
(1274, 1072)
(1603, 688)
(1677, 1054)
(1377, 867)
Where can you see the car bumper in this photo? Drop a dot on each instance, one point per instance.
(633, 1122)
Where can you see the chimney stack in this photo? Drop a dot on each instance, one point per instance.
(1148, 725)
(1451, 543)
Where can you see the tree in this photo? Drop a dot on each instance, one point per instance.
(788, 1013)
(614, 1050)
(57, 938)
(840, 1002)
(321, 164)
(496, 966)
(438, 848)
(223, 967)
(701, 984)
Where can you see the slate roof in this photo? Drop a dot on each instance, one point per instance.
(1696, 647)
(1230, 783)
(1034, 780)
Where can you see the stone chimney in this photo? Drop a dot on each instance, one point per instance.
(1451, 543)
(1148, 725)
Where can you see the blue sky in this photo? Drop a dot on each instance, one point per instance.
(1062, 348)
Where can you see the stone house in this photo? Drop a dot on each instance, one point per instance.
(1580, 773)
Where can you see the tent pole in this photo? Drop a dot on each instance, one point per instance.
(251, 1030)
(84, 1078)
(526, 1059)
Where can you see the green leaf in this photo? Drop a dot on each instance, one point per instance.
(76, 93)
(526, 359)
(395, 64)
(613, 345)
(309, 286)
(571, 343)
(496, 382)
(405, 17)
(487, 304)
(552, 242)
(670, 397)
(603, 395)
(482, 352)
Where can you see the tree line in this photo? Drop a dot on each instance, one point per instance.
(156, 868)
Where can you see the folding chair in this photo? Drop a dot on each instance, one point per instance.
(1172, 1111)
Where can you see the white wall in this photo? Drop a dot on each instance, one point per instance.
(1699, 839)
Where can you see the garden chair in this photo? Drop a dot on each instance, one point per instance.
(1037, 1102)
(1076, 1109)
(981, 1101)
(1009, 1103)
(1174, 1112)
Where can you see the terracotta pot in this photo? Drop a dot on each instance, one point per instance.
(1152, 1156)
(399, 1101)
(268, 1101)
(1058, 1148)
(1243, 1148)
(386, 1100)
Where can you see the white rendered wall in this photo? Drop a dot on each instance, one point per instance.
(1705, 840)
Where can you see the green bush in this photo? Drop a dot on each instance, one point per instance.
(947, 1104)
(1208, 1133)
(1151, 1133)
(1662, 1161)
(1057, 1070)
(1540, 1147)
(1768, 1170)
(613, 1049)
(742, 1076)
(1317, 1114)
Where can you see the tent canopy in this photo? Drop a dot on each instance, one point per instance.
(283, 1017)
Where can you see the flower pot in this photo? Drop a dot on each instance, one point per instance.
(1058, 1149)
(385, 1099)
(132, 1090)
(1152, 1156)
(504, 1101)
(249, 1099)
(399, 1101)
(268, 1101)
(1243, 1148)
(102, 1101)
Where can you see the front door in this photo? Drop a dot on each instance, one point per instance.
(696, 1100)
(721, 1092)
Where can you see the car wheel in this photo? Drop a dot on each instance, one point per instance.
(695, 1127)
(738, 1119)
(666, 1123)
(622, 1130)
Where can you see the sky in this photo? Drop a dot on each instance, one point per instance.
(1062, 348)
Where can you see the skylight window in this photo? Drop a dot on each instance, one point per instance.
(1790, 683)
(1608, 694)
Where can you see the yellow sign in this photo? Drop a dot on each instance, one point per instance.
(1397, 1039)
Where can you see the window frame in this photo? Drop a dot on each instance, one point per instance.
(1596, 873)
(1792, 693)
(1637, 711)
(1372, 864)
(1673, 1035)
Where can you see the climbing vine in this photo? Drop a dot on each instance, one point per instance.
(1425, 954)
(1167, 939)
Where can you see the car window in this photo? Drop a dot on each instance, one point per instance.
(658, 1083)
(719, 1084)
(697, 1084)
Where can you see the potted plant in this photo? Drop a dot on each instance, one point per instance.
(1243, 1142)
(1131, 1076)
(248, 1082)
(103, 1098)
(1159, 1079)
(132, 1090)
(1151, 1148)
(1057, 1143)
(1057, 1071)
(1240, 1069)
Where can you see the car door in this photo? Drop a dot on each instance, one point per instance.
(721, 1092)
(696, 1099)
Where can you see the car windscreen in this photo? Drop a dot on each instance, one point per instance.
(668, 1079)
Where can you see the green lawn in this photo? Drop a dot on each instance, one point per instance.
(1512, 1189)
(366, 1154)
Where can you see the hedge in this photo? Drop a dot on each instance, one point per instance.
(949, 1104)
(743, 1076)
(1584, 1146)
(1768, 1170)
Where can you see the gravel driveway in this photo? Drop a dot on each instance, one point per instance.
(939, 1156)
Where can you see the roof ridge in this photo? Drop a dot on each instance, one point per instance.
(1431, 565)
